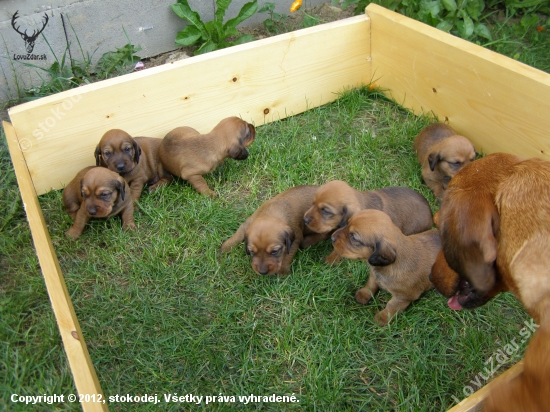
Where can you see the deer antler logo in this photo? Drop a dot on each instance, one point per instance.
(29, 40)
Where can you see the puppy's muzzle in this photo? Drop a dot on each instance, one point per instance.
(92, 211)
(242, 155)
(120, 167)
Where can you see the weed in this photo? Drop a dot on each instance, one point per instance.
(275, 23)
(214, 34)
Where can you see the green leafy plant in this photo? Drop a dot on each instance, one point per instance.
(275, 23)
(117, 62)
(214, 34)
(459, 17)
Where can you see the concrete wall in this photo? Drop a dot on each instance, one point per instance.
(98, 25)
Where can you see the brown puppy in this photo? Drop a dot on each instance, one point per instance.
(399, 264)
(273, 233)
(97, 192)
(442, 153)
(336, 201)
(186, 153)
(135, 159)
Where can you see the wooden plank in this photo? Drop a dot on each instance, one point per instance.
(83, 371)
(497, 102)
(260, 81)
(474, 403)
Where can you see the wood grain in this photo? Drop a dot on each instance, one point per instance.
(83, 371)
(261, 81)
(498, 103)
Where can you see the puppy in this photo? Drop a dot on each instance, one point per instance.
(186, 153)
(442, 153)
(274, 232)
(398, 263)
(495, 225)
(97, 192)
(336, 201)
(135, 159)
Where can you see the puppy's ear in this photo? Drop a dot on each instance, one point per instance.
(384, 253)
(345, 217)
(252, 131)
(97, 155)
(289, 238)
(433, 159)
(246, 246)
(121, 187)
(137, 152)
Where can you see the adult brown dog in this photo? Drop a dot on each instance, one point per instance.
(399, 264)
(275, 231)
(135, 159)
(186, 153)
(336, 201)
(97, 192)
(442, 153)
(495, 226)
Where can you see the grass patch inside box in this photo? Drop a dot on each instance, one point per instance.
(162, 313)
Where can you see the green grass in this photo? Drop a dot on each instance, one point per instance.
(163, 313)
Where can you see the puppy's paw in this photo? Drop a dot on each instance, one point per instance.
(210, 193)
(226, 247)
(382, 318)
(129, 226)
(363, 295)
(72, 234)
(333, 258)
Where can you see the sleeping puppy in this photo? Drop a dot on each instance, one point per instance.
(495, 226)
(186, 153)
(97, 192)
(399, 264)
(274, 232)
(336, 201)
(135, 159)
(442, 153)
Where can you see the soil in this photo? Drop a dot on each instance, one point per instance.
(324, 13)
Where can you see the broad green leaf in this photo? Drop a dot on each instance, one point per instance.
(214, 29)
(468, 25)
(246, 12)
(529, 20)
(188, 36)
(445, 26)
(183, 10)
(450, 5)
(221, 7)
(483, 31)
(207, 47)
(245, 38)
(433, 7)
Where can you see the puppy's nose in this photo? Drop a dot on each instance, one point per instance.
(92, 211)
(120, 167)
(243, 155)
(263, 271)
(333, 238)
(307, 220)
